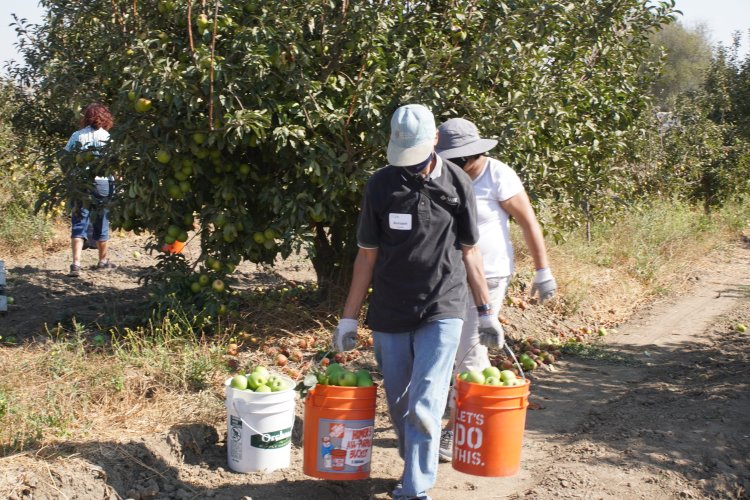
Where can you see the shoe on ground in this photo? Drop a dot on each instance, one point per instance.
(106, 264)
(446, 445)
(75, 271)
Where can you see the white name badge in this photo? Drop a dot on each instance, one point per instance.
(401, 222)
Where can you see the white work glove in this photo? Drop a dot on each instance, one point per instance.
(545, 284)
(491, 332)
(345, 335)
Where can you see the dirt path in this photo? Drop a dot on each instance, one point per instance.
(659, 410)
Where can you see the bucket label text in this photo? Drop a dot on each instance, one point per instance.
(272, 440)
(344, 446)
(468, 437)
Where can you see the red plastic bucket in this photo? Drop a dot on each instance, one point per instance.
(337, 434)
(488, 429)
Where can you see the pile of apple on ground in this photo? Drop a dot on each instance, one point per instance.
(491, 375)
(260, 380)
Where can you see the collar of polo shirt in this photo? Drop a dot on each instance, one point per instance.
(438, 169)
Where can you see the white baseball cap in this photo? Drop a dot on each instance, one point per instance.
(413, 134)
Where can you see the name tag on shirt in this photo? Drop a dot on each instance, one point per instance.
(401, 222)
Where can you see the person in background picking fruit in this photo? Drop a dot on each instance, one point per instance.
(417, 238)
(96, 123)
(500, 195)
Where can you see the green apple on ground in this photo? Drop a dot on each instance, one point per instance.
(741, 328)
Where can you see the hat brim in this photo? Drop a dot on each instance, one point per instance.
(406, 157)
(475, 148)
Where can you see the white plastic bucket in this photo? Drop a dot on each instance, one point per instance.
(259, 428)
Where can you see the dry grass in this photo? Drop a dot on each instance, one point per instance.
(49, 236)
(71, 391)
(636, 259)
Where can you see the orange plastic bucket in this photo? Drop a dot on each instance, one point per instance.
(338, 429)
(175, 247)
(488, 429)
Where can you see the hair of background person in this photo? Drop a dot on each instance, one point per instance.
(97, 116)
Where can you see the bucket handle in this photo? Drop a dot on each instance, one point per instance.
(505, 346)
(265, 435)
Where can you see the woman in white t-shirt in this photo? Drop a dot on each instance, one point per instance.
(500, 195)
(96, 123)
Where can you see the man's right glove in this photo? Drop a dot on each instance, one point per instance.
(545, 284)
(345, 335)
(491, 332)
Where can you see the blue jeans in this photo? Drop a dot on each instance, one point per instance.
(83, 220)
(416, 368)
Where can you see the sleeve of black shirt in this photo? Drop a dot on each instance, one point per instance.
(468, 233)
(368, 227)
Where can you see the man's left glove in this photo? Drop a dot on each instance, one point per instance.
(345, 335)
(491, 332)
(545, 284)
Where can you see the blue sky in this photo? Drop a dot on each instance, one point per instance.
(721, 16)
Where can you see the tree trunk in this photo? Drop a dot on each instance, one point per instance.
(333, 259)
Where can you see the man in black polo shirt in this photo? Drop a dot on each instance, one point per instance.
(417, 235)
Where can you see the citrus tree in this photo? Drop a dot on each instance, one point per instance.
(256, 123)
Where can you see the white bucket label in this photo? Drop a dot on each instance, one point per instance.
(345, 446)
(272, 440)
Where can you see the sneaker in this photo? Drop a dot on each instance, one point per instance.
(106, 264)
(446, 445)
(75, 271)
